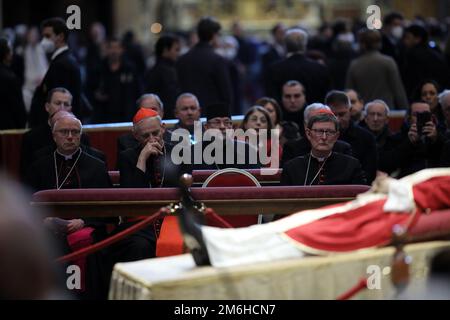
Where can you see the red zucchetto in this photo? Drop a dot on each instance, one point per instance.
(144, 113)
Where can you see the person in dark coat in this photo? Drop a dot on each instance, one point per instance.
(12, 106)
(391, 36)
(148, 165)
(58, 100)
(118, 88)
(276, 51)
(69, 167)
(312, 75)
(162, 79)
(302, 146)
(322, 165)
(417, 146)
(203, 72)
(220, 151)
(421, 62)
(362, 141)
(64, 71)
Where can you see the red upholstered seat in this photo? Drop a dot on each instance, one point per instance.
(78, 240)
(232, 177)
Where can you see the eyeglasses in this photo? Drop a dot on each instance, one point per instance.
(226, 123)
(66, 132)
(320, 132)
(255, 119)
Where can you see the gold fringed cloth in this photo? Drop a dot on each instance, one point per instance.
(311, 277)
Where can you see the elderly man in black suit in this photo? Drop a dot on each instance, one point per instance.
(312, 75)
(302, 146)
(203, 72)
(63, 71)
(322, 165)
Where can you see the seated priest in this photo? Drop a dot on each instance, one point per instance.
(322, 165)
(149, 101)
(148, 165)
(366, 222)
(68, 166)
(302, 146)
(58, 99)
(220, 147)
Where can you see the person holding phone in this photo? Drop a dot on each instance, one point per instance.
(416, 147)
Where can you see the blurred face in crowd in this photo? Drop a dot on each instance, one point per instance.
(418, 107)
(187, 111)
(446, 109)
(410, 41)
(272, 113)
(66, 134)
(257, 120)
(173, 53)
(114, 50)
(152, 103)
(293, 98)
(149, 130)
(342, 112)
(59, 101)
(376, 117)
(429, 94)
(50, 41)
(322, 136)
(220, 123)
(357, 105)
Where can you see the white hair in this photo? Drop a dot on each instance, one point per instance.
(442, 96)
(68, 117)
(379, 101)
(313, 107)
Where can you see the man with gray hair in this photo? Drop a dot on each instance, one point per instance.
(314, 76)
(376, 119)
(444, 101)
(322, 165)
(301, 146)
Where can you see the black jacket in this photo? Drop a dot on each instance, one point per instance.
(36, 139)
(162, 80)
(241, 157)
(132, 177)
(12, 108)
(400, 155)
(63, 71)
(300, 147)
(121, 88)
(91, 171)
(206, 75)
(339, 169)
(364, 149)
(315, 77)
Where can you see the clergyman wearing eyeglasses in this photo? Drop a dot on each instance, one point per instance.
(322, 166)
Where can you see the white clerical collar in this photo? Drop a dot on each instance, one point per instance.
(67, 157)
(321, 159)
(59, 51)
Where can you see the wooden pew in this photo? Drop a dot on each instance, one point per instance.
(224, 200)
(104, 138)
